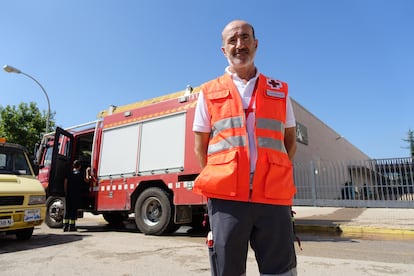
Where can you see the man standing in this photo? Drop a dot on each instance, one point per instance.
(73, 184)
(245, 139)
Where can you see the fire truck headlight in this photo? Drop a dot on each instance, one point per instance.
(37, 199)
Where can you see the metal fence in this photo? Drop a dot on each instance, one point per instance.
(361, 183)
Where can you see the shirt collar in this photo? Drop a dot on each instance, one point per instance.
(236, 77)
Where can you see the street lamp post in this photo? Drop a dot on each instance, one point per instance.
(11, 69)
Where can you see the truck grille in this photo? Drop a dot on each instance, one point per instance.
(11, 200)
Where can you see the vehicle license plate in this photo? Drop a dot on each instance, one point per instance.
(31, 215)
(6, 222)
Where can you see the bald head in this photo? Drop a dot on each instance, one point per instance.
(235, 24)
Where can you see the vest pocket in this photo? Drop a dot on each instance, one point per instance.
(220, 175)
(279, 182)
(223, 104)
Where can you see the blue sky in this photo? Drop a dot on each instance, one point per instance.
(350, 63)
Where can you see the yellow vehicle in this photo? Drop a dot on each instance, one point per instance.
(22, 197)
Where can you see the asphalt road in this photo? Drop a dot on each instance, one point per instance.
(97, 249)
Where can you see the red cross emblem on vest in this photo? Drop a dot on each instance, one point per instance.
(274, 84)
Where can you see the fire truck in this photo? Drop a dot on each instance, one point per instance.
(143, 162)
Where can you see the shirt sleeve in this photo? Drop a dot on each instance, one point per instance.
(202, 116)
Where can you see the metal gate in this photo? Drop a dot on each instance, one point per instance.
(358, 183)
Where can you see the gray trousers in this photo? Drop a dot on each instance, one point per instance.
(268, 228)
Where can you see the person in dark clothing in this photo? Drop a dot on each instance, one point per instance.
(73, 188)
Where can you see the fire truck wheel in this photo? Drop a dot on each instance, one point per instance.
(154, 212)
(55, 207)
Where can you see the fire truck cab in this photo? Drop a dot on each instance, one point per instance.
(143, 162)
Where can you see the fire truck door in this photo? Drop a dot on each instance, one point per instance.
(61, 161)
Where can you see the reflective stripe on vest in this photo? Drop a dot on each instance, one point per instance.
(227, 143)
(233, 122)
(240, 141)
(268, 142)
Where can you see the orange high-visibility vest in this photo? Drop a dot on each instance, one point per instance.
(227, 172)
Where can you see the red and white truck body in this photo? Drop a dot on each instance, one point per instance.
(142, 157)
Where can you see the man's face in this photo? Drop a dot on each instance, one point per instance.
(239, 45)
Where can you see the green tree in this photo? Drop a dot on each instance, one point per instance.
(24, 124)
(410, 141)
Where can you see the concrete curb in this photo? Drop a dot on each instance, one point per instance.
(376, 230)
(353, 230)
